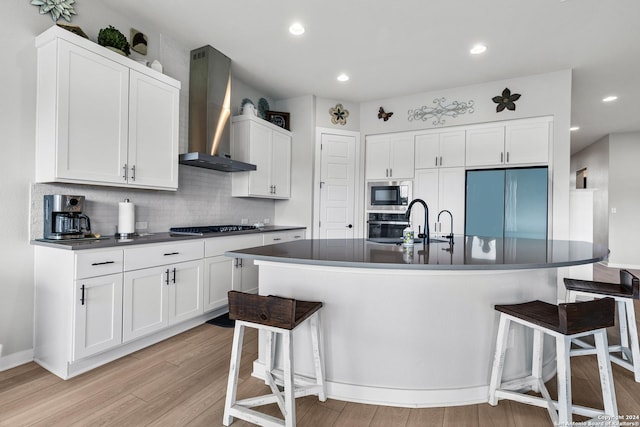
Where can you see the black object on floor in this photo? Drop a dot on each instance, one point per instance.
(223, 321)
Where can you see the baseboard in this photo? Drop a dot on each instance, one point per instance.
(15, 359)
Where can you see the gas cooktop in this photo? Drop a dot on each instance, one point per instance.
(207, 229)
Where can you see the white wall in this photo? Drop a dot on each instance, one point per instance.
(624, 197)
(542, 95)
(204, 196)
(595, 158)
(299, 209)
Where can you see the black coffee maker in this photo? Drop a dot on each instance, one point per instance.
(63, 217)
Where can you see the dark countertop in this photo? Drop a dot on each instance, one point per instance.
(111, 241)
(467, 253)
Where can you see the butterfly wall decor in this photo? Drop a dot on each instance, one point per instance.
(384, 115)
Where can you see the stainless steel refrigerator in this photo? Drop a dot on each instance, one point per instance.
(507, 202)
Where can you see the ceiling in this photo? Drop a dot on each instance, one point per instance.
(396, 48)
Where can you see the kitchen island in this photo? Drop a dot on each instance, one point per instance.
(415, 327)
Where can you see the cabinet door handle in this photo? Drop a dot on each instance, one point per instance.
(82, 295)
(386, 172)
(103, 263)
(133, 173)
(436, 160)
(125, 170)
(275, 189)
(501, 157)
(241, 263)
(174, 275)
(390, 173)
(171, 253)
(167, 279)
(440, 160)
(507, 157)
(275, 239)
(237, 263)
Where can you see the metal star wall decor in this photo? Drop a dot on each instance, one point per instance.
(506, 100)
(339, 115)
(441, 110)
(57, 8)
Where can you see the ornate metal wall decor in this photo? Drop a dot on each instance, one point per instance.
(441, 111)
(384, 115)
(339, 115)
(506, 100)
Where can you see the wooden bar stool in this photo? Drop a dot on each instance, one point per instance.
(624, 294)
(275, 315)
(564, 322)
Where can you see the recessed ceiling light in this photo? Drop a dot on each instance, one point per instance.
(609, 98)
(574, 128)
(478, 49)
(296, 29)
(343, 78)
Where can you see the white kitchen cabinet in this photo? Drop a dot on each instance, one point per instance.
(441, 189)
(389, 157)
(163, 285)
(97, 315)
(440, 149)
(517, 143)
(283, 236)
(223, 273)
(103, 119)
(268, 147)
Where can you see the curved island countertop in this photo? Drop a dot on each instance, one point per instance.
(415, 327)
(466, 253)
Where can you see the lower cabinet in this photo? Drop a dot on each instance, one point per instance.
(157, 297)
(95, 305)
(97, 315)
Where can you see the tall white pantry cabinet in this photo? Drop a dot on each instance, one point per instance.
(103, 119)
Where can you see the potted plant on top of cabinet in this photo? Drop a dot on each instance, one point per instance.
(113, 39)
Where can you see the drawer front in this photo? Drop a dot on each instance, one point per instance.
(98, 263)
(145, 256)
(219, 245)
(283, 236)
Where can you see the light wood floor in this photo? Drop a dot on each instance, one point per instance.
(182, 382)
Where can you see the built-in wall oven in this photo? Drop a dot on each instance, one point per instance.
(385, 227)
(388, 195)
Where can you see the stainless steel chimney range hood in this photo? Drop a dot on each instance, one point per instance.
(210, 113)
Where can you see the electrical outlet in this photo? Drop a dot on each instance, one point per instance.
(267, 220)
(244, 221)
(141, 225)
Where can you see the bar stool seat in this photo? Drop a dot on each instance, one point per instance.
(624, 293)
(564, 322)
(274, 315)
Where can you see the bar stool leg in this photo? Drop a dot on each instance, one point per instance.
(606, 377)
(624, 333)
(234, 368)
(289, 391)
(270, 354)
(318, 353)
(563, 345)
(633, 335)
(498, 358)
(536, 363)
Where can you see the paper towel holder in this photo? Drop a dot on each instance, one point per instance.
(128, 235)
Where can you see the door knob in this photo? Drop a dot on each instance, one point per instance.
(350, 226)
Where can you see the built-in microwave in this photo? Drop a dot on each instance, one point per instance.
(388, 195)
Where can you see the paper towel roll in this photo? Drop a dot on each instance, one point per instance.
(126, 217)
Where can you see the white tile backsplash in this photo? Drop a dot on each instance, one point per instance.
(203, 198)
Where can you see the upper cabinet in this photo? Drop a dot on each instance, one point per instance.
(521, 142)
(389, 157)
(103, 119)
(267, 146)
(437, 150)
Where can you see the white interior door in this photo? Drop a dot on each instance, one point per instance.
(337, 186)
